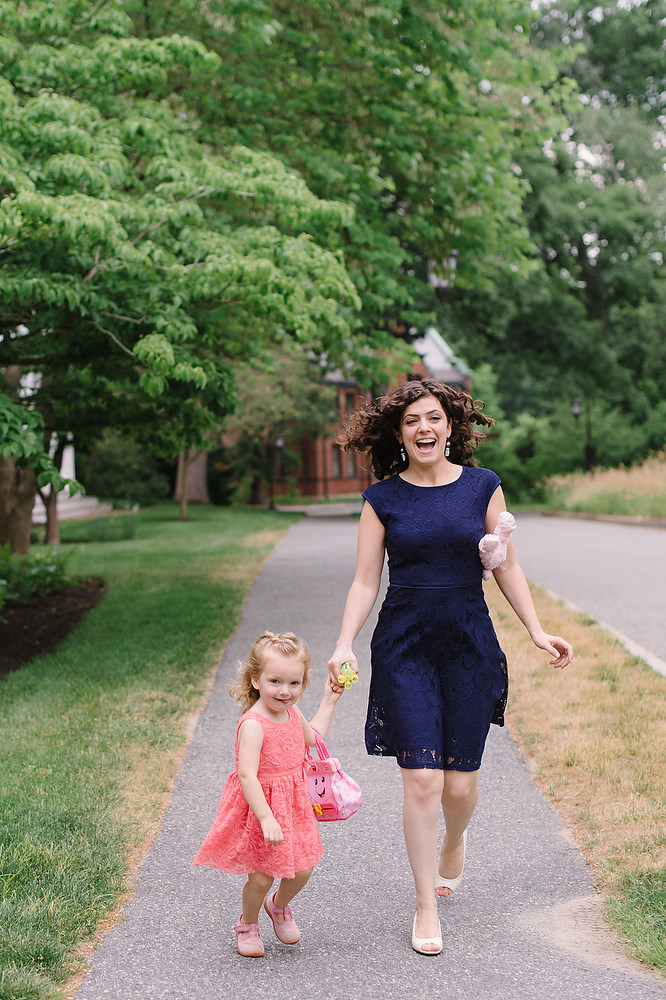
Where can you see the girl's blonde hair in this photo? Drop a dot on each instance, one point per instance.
(286, 643)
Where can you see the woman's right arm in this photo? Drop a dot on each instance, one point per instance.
(363, 591)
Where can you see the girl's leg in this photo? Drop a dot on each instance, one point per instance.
(459, 798)
(289, 887)
(254, 891)
(423, 789)
(278, 909)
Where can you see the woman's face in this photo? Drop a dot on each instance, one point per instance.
(424, 431)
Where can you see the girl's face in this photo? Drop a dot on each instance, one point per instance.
(424, 431)
(280, 683)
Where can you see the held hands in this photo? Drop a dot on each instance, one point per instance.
(340, 658)
(556, 646)
(333, 692)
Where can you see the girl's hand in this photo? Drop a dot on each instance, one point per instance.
(272, 831)
(340, 656)
(556, 646)
(332, 692)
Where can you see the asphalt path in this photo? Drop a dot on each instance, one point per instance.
(616, 572)
(524, 924)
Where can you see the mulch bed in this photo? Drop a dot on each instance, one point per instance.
(39, 625)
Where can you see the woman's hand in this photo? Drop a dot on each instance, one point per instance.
(556, 646)
(340, 656)
(271, 830)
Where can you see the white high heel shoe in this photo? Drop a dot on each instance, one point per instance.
(451, 883)
(419, 944)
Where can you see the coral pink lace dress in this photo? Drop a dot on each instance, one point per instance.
(235, 843)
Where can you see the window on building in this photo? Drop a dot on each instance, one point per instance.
(350, 464)
(336, 462)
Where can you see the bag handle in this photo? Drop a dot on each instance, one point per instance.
(322, 752)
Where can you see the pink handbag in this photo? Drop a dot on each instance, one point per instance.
(334, 795)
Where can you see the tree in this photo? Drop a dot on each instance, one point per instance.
(589, 321)
(139, 261)
(24, 467)
(282, 399)
(411, 111)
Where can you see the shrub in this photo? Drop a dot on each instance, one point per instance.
(119, 469)
(21, 576)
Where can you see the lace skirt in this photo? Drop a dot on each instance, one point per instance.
(439, 678)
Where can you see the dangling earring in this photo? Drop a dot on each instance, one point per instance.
(447, 450)
(403, 454)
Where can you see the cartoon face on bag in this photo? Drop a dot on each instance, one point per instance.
(319, 786)
(333, 794)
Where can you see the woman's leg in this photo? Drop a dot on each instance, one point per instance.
(459, 798)
(254, 890)
(423, 789)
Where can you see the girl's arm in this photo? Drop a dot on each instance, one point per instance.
(363, 591)
(322, 720)
(250, 741)
(511, 581)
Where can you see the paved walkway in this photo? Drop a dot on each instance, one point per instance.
(524, 924)
(613, 570)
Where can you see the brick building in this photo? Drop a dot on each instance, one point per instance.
(328, 471)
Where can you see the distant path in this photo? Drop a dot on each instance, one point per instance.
(614, 572)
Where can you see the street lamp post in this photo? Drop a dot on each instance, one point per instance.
(277, 446)
(590, 454)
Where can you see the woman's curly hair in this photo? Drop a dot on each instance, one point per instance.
(286, 643)
(372, 429)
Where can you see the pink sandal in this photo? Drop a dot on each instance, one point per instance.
(248, 939)
(284, 925)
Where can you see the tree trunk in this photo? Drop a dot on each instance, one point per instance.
(17, 497)
(50, 500)
(256, 491)
(193, 470)
(182, 480)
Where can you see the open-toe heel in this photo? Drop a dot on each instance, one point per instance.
(450, 883)
(419, 944)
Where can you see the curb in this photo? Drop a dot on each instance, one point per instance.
(638, 521)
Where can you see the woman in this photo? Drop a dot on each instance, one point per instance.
(439, 677)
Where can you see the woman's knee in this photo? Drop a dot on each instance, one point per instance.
(460, 787)
(422, 785)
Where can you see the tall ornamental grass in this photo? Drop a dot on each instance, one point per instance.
(639, 491)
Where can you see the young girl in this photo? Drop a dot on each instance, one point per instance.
(265, 826)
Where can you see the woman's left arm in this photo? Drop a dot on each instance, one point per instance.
(511, 581)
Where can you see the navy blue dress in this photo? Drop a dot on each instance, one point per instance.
(439, 677)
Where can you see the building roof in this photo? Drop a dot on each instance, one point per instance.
(439, 358)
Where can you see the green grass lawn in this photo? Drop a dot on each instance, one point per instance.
(91, 735)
